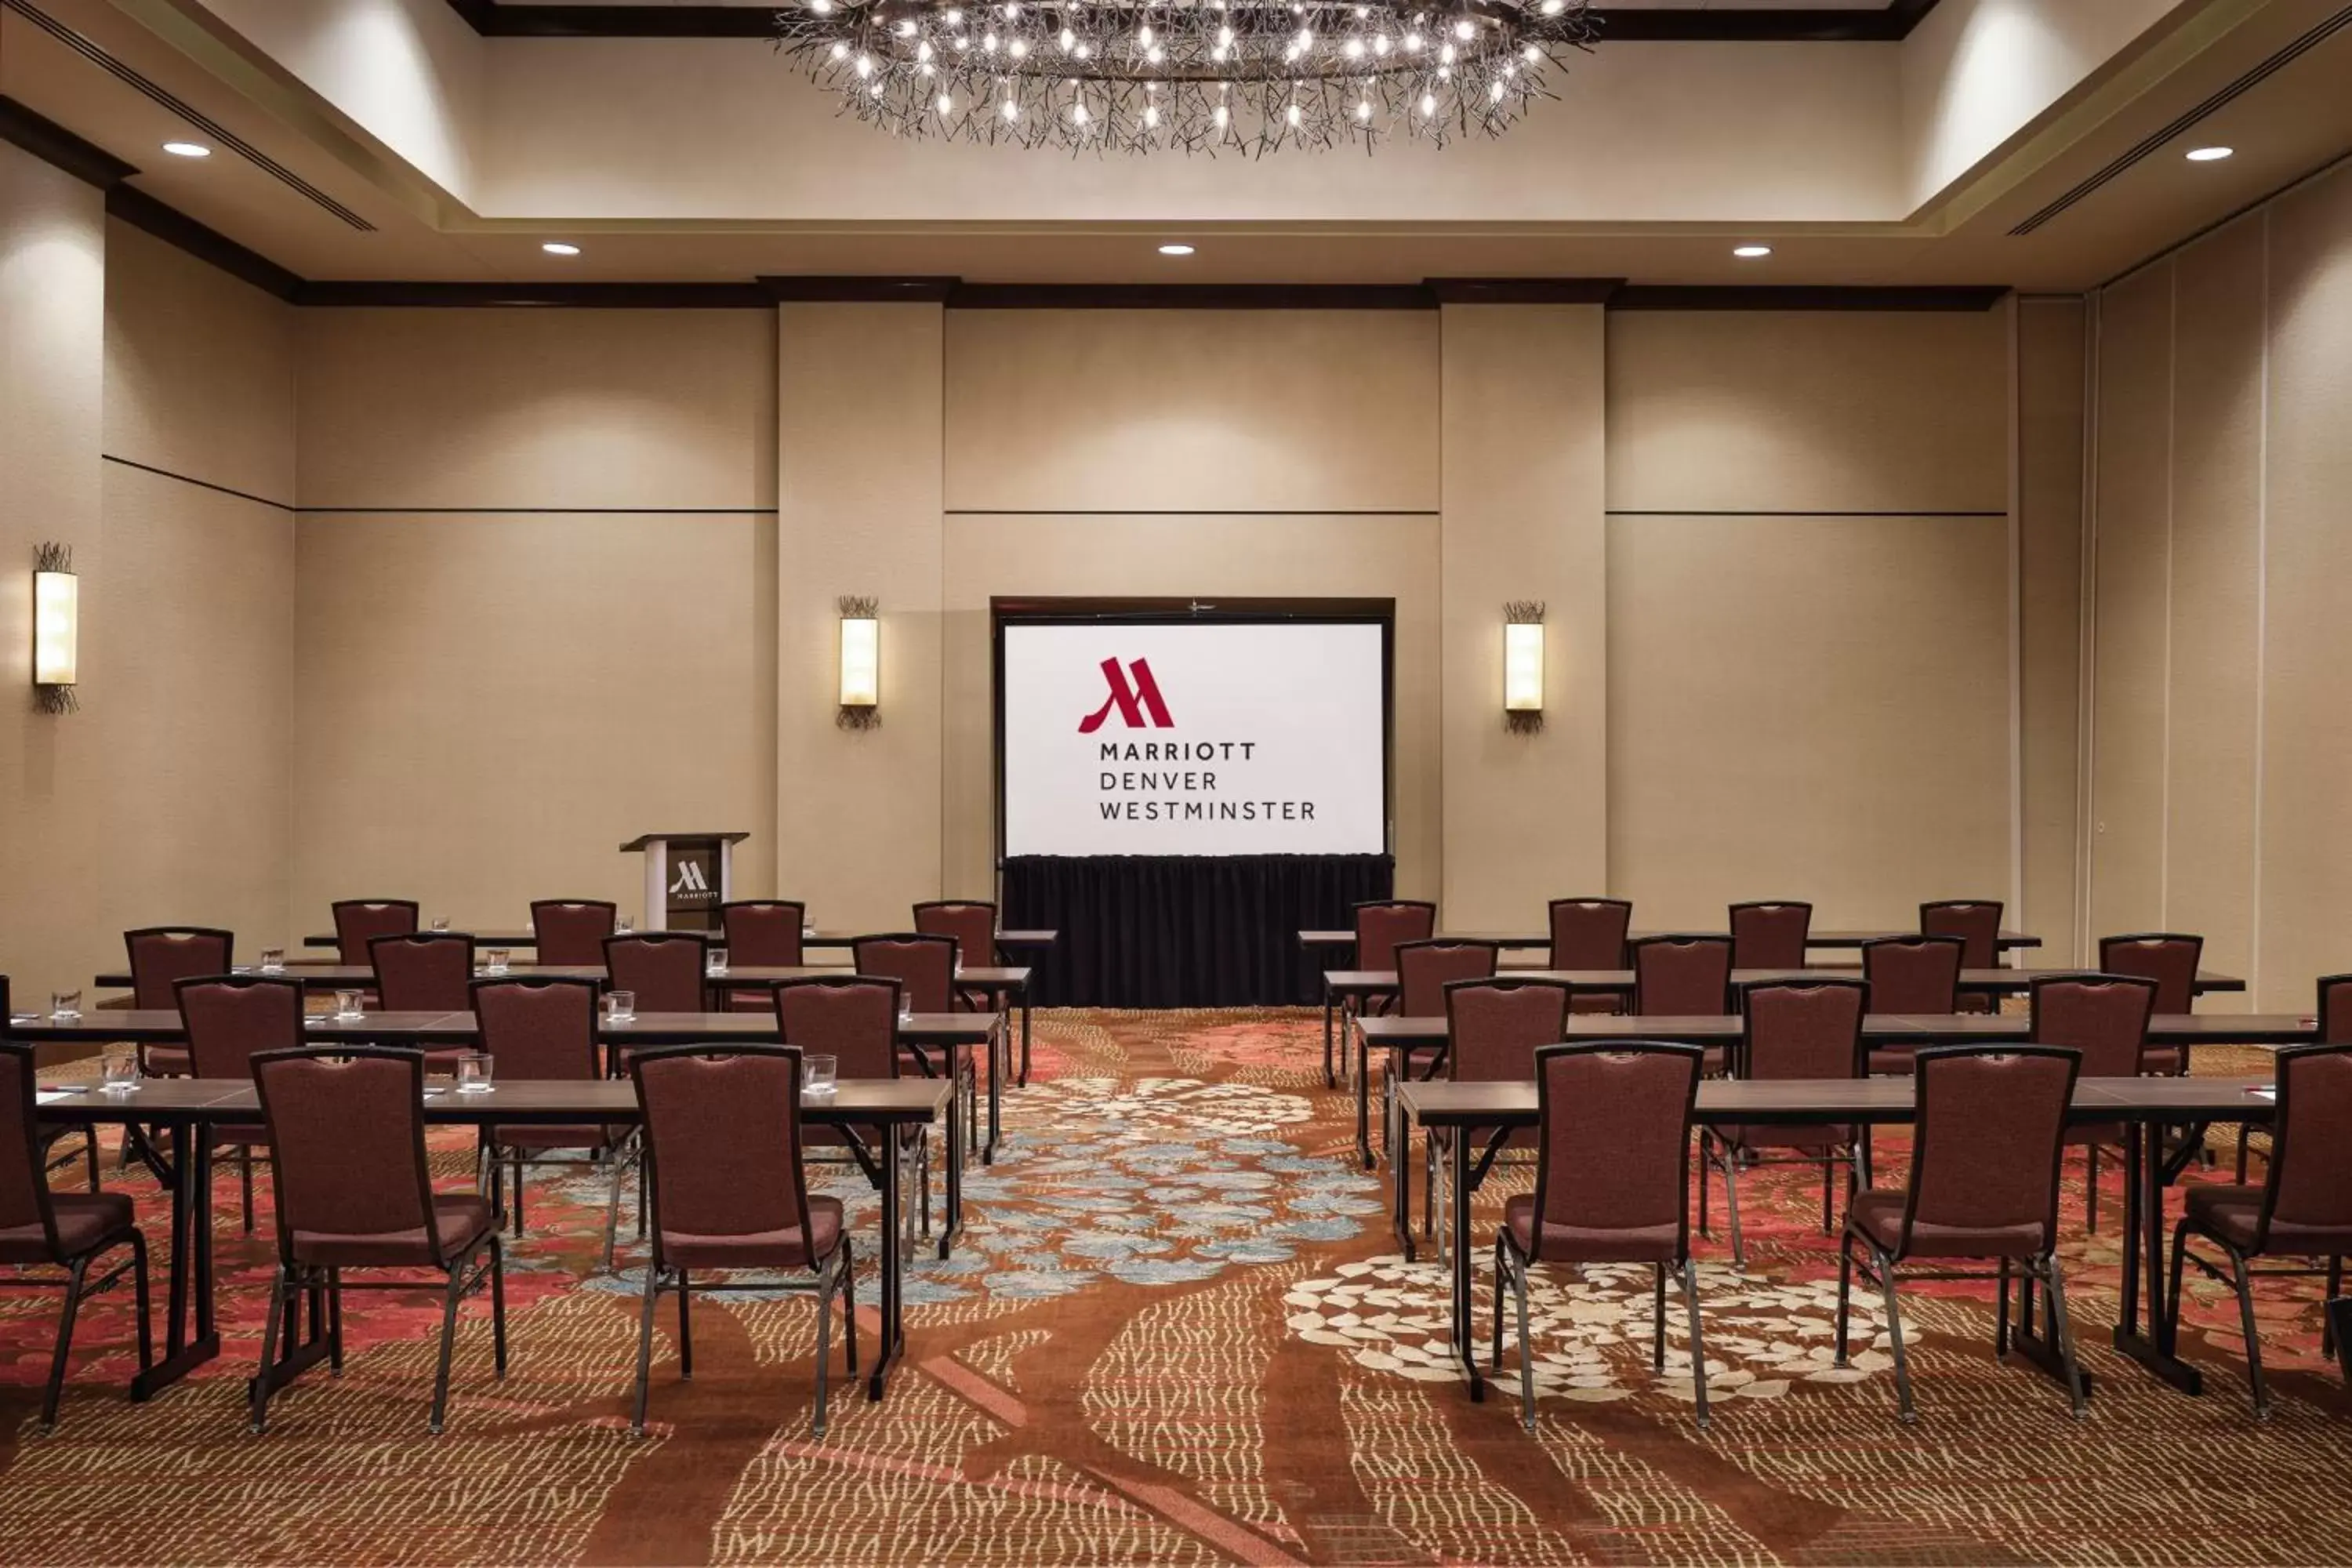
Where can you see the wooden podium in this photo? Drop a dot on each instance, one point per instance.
(688, 877)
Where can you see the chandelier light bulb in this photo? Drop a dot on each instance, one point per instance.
(1069, 38)
(822, 8)
(1428, 104)
(1464, 31)
(1077, 114)
(946, 104)
(1291, 114)
(1018, 48)
(1412, 43)
(1143, 34)
(1495, 92)
(1224, 37)
(1355, 48)
(865, 67)
(1380, 45)
(1012, 109)
(1445, 54)
(1364, 108)
(1224, 116)
(904, 29)
(841, 51)
(1155, 54)
(1151, 115)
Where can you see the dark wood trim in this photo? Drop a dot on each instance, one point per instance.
(173, 227)
(1086, 607)
(1805, 297)
(570, 296)
(1782, 24)
(1523, 291)
(817, 289)
(55, 145)
(1192, 297)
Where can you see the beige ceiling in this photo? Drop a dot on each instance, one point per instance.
(744, 172)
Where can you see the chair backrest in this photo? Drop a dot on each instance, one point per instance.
(426, 972)
(1494, 1027)
(358, 921)
(24, 1173)
(1615, 1137)
(1681, 976)
(1382, 924)
(763, 933)
(1914, 973)
(538, 1026)
(2166, 957)
(571, 930)
(2333, 1013)
(2103, 1017)
(1808, 1029)
(972, 923)
(722, 1132)
(2310, 1182)
(1425, 968)
(1975, 921)
(162, 956)
(347, 1146)
(854, 1018)
(1769, 934)
(232, 1018)
(1985, 1154)
(665, 970)
(922, 963)
(1589, 934)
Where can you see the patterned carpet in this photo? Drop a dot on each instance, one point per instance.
(1179, 1331)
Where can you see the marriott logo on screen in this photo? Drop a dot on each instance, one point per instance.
(1135, 697)
(1133, 702)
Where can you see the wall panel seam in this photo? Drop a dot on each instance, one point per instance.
(2172, 505)
(2261, 619)
(2086, 647)
(2016, 615)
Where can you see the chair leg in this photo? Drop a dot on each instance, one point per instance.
(1829, 1193)
(2001, 1315)
(849, 1302)
(334, 1323)
(646, 1346)
(497, 1305)
(685, 1332)
(449, 1347)
(139, 1300)
(824, 1340)
(1658, 1318)
(1885, 1267)
(2063, 1335)
(258, 1421)
(245, 1180)
(66, 1316)
(613, 1203)
(2090, 1198)
(1494, 1356)
(2327, 1319)
(1697, 1341)
(1731, 1203)
(90, 1154)
(2254, 1339)
(1845, 1293)
(2245, 1136)
(1705, 1142)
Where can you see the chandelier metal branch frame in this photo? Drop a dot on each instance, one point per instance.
(1248, 76)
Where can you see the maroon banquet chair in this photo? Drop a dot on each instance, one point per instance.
(354, 1190)
(722, 1130)
(1589, 934)
(1976, 923)
(2304, 1208)
(972, 924)
(1612, 1186)
(1494, 1027)
(761, 933)
(543, 1028)
(64, 1230)
(1769, 934)
(161, 957)
(1983, 1187)
(667, 971)
(358, 921)
(426, 972)
(2104, 1019)
(1907, 975)
(2332, 1025)
(571, 930)
(1792, 1029)
(1684, 977)
(1424, 970)
(854, 1018)
(2170, 960)
(230, 1019)
(922, 963)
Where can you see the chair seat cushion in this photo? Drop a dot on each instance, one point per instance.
(84, 1220)
(2233, 1214)
(2164, 1062)
(460, 1221)
(2103, 1133)
(1877, 1217)
(1595, 1002)
(1576, 1244)
(1814, 1140)
(528, 1138)
(168, 1062)
(758, 1249)
(1893, 1061)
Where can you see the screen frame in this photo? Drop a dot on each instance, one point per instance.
(1032, 611)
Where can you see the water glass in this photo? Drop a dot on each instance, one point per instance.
(620, 1006)
(473, 1073)
(65, 1004)
(818, 1075)
(122, 1071)
(495, 960)
(347, 1004)
(440, 924)
(273, 961)
(718, 961)
(624, 925)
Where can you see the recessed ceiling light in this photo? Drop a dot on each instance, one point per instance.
(187, 149)
(558, 248)
(1752, 252)
(1175, 250)
(2209, 154)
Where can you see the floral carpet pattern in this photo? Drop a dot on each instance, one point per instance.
(1179, 1328)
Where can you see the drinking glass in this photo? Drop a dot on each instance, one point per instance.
(819, 1070)
(620, 1006)
(273, 961)
(347, 1004)
(473, 1073)
(65, 1004)
(718, 961)
(122, 1073)
(440, 924)
(622, 925)
(495, 960)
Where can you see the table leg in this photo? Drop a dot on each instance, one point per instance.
(2339, 1319)
(1466, 1331)
(1363, 1100)
(952, 1221)
(1000, 1045)
(1400, 1187)
(192, 1267)
(1024, 1037)
(1330, 1072)
(2144, 1164)
(892, 1333)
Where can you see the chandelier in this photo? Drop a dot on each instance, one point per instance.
(1198, 76)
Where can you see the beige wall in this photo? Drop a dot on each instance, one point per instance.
(2220, 738)
(2052, 385)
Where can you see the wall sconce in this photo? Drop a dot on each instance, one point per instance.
(56, 627)
(1523, 666)
(861, 664)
